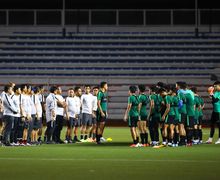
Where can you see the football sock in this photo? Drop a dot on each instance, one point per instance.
(81, 136)
(75, 138)
(195, 134)
(93, 135)
(85, 137)
(142, 138)
(200, 134)
(176, 138)
(90, 135)
(189, 136)
(146, 138)
(98, 137)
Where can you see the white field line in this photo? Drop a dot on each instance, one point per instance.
(110, 160)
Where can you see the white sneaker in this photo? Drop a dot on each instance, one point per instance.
(102, 139)
(196, 141)
(140, 145)
(170, 144)
(209, 141)
(16, 144)
(218, 142)
(164, 143)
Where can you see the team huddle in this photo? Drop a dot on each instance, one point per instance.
(176, 110)
(24, 108)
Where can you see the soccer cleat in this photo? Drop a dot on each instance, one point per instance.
(16, 144)
(139, 145)
(164, 143)
(102, 139)
(218, 142)
(195, 141)
(82, 140)
(133, 145)
(170, 144)
(209, 141)
(145, 145)
(189, 144)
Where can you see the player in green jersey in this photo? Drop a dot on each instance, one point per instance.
(154, 116)
(142, 108)
(190, 109)
(102, 99)
(132, 115)
(166, 100)
(196, 117)
(181, 87)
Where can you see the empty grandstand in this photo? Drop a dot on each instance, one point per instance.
(121, 54)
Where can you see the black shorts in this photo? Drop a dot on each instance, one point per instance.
(170, 119)
(215, 117)
(143, 118)
(196, 121)
(190, 121)
(200, 120)
(183, 119)
(132, 121)
(99, 118)
(155, 119)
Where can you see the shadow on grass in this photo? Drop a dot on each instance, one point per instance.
(106, 144)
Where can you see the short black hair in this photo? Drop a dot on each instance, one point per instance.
(53, 89)
(41, 86)
(154, 88)
(216, 83)
(142, 88)
(76, 88)
(95, 87)
(87, 86)
(194, 89)
(70, 89)
(161, 84)
(132, 89)
(181, 84)
(36, 89)
(162, 90)
(7, 87)
(23, 86)
(102, 84)
(16, 88)
(173, 88)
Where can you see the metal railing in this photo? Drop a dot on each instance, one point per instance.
(113, 17)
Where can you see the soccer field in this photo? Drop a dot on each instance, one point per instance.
(112, 160)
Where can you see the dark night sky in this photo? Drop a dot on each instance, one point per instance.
(107, 4)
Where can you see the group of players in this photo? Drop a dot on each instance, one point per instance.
(176, 110)
(24, 108)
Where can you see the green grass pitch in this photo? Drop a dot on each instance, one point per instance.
(112, 160)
